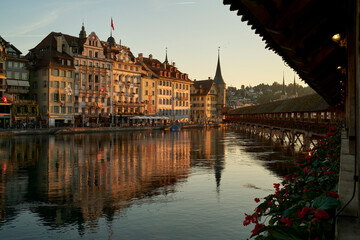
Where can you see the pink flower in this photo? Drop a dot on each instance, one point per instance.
(257, 200)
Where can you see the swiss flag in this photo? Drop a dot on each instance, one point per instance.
(5, 99)
(112, 24)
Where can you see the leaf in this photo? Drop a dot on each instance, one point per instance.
(285, 233)
(325, 203)
(290, 211)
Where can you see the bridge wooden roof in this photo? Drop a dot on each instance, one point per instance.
(301, 31)
(307, 103)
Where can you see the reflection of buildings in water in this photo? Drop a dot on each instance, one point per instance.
(16, 154)
(276, 157)
(209, 151)
(100, 174)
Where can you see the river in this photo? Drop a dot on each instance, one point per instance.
(192, 184)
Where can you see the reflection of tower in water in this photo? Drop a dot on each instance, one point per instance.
(209, 151)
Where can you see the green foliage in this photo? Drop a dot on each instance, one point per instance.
(303, 205)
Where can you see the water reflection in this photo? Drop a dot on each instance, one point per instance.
(81, 178)
(86, 183)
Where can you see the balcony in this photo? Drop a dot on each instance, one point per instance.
(19, 91)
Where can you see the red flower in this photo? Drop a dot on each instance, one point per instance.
(257, 228)
(257, 200)
(321, 214)
(287, 221)
(247, 219)
(303, 212)
(305, 190)
(333, 194)
(306, 170)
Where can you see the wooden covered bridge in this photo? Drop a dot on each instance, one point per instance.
(302, 120)
(320, 41)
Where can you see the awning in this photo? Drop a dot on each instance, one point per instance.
(12, 82)
(24, 83)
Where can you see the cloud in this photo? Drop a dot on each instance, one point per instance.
(43, 22)
(185, 3)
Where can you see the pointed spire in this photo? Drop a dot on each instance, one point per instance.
(218, 77)
(294, 92)
(283, 90)
(166, 58)
(82, 33)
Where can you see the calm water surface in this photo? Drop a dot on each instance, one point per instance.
(194, 184)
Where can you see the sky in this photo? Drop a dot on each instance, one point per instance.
(191, 30)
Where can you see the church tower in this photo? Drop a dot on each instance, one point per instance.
(294, 92)
(218, 79)
(82, 34)
(283, 93)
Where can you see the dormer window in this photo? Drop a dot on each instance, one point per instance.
(158, 65)
(161, 73)
(153, 64)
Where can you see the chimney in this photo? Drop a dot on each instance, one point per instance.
(59, 43)
(209, 78)
(173, 64)
(150, 56)
(140, 57)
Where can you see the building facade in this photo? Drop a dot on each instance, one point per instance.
(165, 89)
(52, 79)
(208, 98)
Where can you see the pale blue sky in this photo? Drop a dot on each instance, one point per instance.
(192, 30)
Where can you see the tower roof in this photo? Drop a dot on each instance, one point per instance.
(218, 77)
(166, 58)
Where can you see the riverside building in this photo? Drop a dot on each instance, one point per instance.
(208, 98)
(166, 90)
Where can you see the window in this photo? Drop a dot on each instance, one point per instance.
(16, 65)
(76, 62)
(55, 72)
(146, 92)
(56, 97)
(44, 72)
(35, 85)
(63, 110)
(153, 93)
(63, 97)
(24, 76)
(160, 101)
(56, 84)
(90, 77)
(69, 110)
(68, 62)
(10, 64)
(62, 84)
(44, 97)
(44, 84)
(90, 54)
(90, 64)
(56, 109)
(69, 74)
(83, 63)
(96, 78)
(102, 65)
(63, 73)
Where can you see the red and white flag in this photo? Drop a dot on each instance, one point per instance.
(5, 99)
(112, 25)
